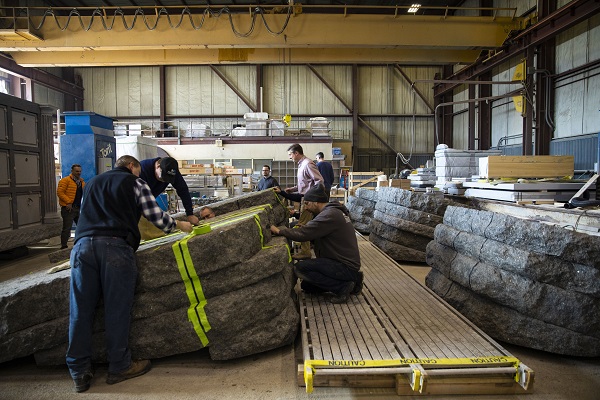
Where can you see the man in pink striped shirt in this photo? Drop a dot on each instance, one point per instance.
(308, 176)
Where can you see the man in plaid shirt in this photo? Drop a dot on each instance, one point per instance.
(103, 263)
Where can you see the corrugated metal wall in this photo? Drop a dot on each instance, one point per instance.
(577, 98)
(48, 97)
(385, 97)
(460, 122)
(121, 92)
(584, 148)
(198, 90)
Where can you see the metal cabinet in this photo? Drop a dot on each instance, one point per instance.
(27, 197)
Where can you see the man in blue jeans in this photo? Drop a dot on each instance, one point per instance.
(337, 266)
(103, 263)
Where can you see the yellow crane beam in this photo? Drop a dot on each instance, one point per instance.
(350, 38)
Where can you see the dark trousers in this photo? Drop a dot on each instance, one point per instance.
(68, 217)
(325, 274)
(101, 266)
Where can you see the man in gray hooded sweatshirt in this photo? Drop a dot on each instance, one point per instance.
(337, 266)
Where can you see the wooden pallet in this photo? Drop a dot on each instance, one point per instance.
(400, 334)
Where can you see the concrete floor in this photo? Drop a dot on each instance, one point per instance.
(270, 375)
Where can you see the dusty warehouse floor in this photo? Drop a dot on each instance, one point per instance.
(270, 375)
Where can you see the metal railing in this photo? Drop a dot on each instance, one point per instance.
(191, 129)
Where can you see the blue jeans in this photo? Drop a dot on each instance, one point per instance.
(107, 266)
(326, 274)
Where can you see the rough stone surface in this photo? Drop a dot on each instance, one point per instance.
(538, 267)
(528, 235)
(367, 194)
(505, 324)
(33, 299)
(362, 227)
(247, 287)
(408, 214)
(27, 235)
(404, 233)
(361, 212)
(61, 255)
(397, 251)
(571, 310)
(274, 333)
(433, 204)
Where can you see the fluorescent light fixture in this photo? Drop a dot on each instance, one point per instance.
(414, 8)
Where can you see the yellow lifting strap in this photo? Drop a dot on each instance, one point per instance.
(310, 366)
(193, 287)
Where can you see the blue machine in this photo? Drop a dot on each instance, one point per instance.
(88, 141)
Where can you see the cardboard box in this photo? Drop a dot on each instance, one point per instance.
(399, 183)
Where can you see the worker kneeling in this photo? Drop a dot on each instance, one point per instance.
(336, 268)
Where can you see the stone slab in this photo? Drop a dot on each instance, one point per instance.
(508, 325)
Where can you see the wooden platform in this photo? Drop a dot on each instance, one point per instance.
(400, 334)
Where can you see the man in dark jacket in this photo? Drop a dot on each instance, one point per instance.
(267, 181)
(103, 264)
(337, 266)
(326, 170)
(159, 172)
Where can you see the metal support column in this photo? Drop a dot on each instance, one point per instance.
(484, 117)
(471, 118)
(528, 118)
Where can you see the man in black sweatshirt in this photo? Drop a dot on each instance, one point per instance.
(337, 266)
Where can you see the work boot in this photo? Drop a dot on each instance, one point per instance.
(358, 285)
(83, 382)
(344, 295)
(137, 368)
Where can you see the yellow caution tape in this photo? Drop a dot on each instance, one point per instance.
(310, 366)
(416, 380)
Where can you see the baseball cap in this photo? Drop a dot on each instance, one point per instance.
(169, 168)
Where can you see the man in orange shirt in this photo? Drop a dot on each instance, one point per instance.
(69, 191)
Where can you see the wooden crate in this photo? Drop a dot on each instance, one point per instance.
(363, 179)
(526, 166)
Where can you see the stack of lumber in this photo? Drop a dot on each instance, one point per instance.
(525, 179)
(246, 281)
(526, 166)
(521, 281)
